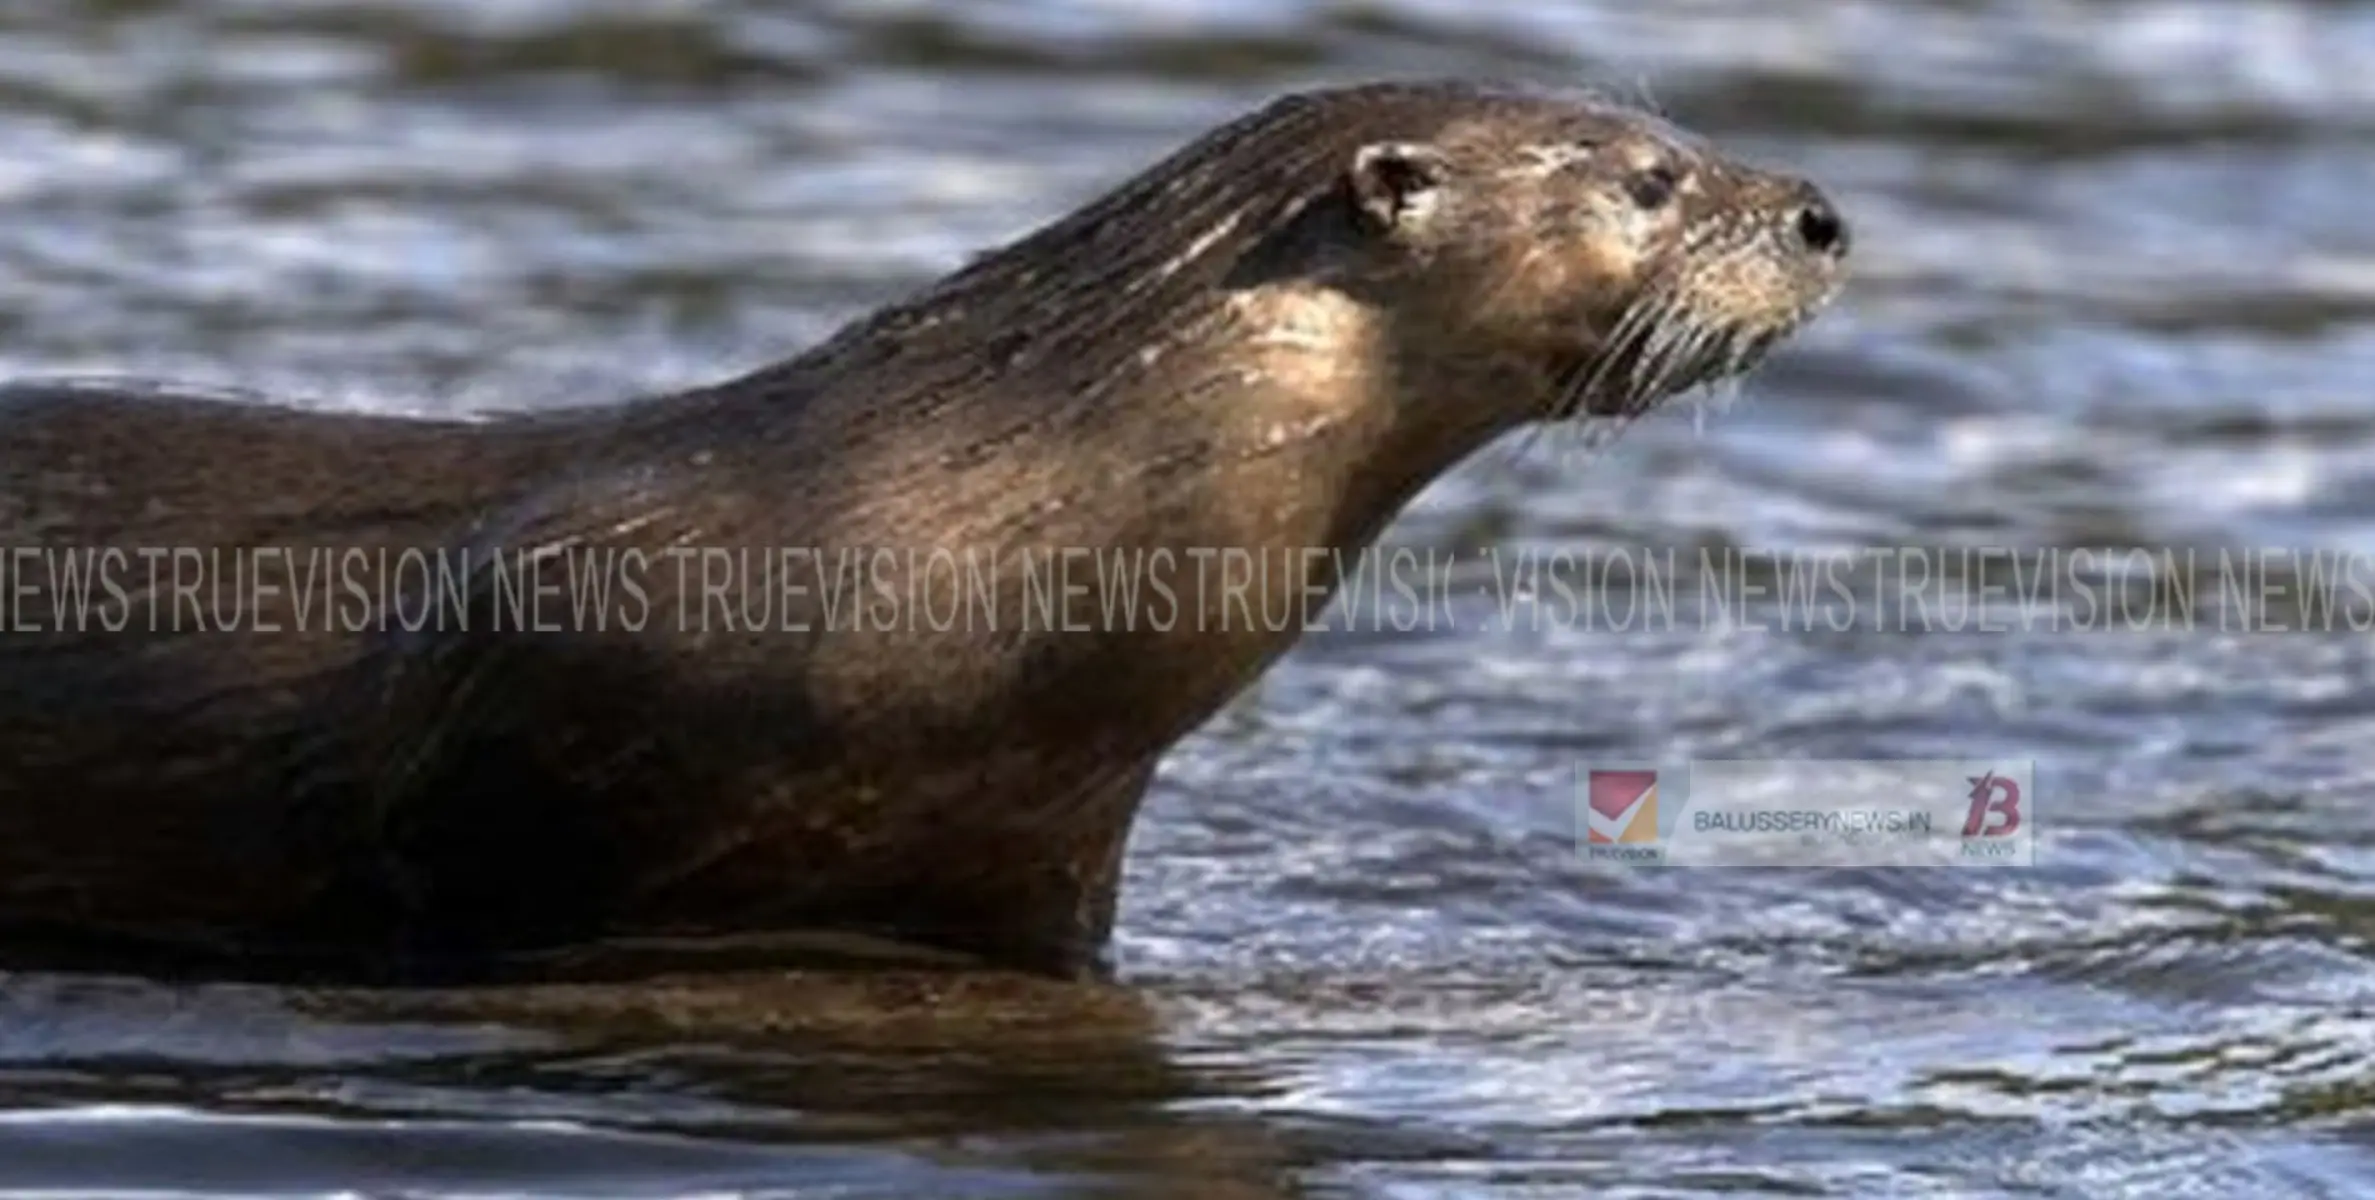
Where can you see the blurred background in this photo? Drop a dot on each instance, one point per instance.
(2115, 286)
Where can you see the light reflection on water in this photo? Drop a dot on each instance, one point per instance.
(2113, 287)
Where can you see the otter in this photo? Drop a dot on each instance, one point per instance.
(291, 717)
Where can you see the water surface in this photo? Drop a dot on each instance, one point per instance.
(2115, 287)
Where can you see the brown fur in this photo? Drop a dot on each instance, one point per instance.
(1268, 341)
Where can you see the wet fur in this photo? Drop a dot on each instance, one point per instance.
(1208, 356)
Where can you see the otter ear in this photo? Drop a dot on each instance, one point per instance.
(1395, 184)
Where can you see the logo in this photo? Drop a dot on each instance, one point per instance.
(1623, 807)
(1995, 807)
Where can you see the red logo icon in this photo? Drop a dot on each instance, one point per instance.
(1624, 807)
(1995, 807)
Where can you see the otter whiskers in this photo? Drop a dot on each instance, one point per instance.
(1658, 349)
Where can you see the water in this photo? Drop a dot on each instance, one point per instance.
(2115, 287)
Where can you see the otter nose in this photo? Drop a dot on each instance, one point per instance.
(1820, 227)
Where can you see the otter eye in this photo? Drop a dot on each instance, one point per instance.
(1651, 189)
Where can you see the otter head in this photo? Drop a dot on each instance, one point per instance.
(1443, 261)
(1597, 258)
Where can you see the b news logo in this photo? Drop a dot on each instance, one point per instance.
(1993, 817)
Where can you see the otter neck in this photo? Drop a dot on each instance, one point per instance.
(1316, 392)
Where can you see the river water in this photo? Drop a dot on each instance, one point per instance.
(2115, 288)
